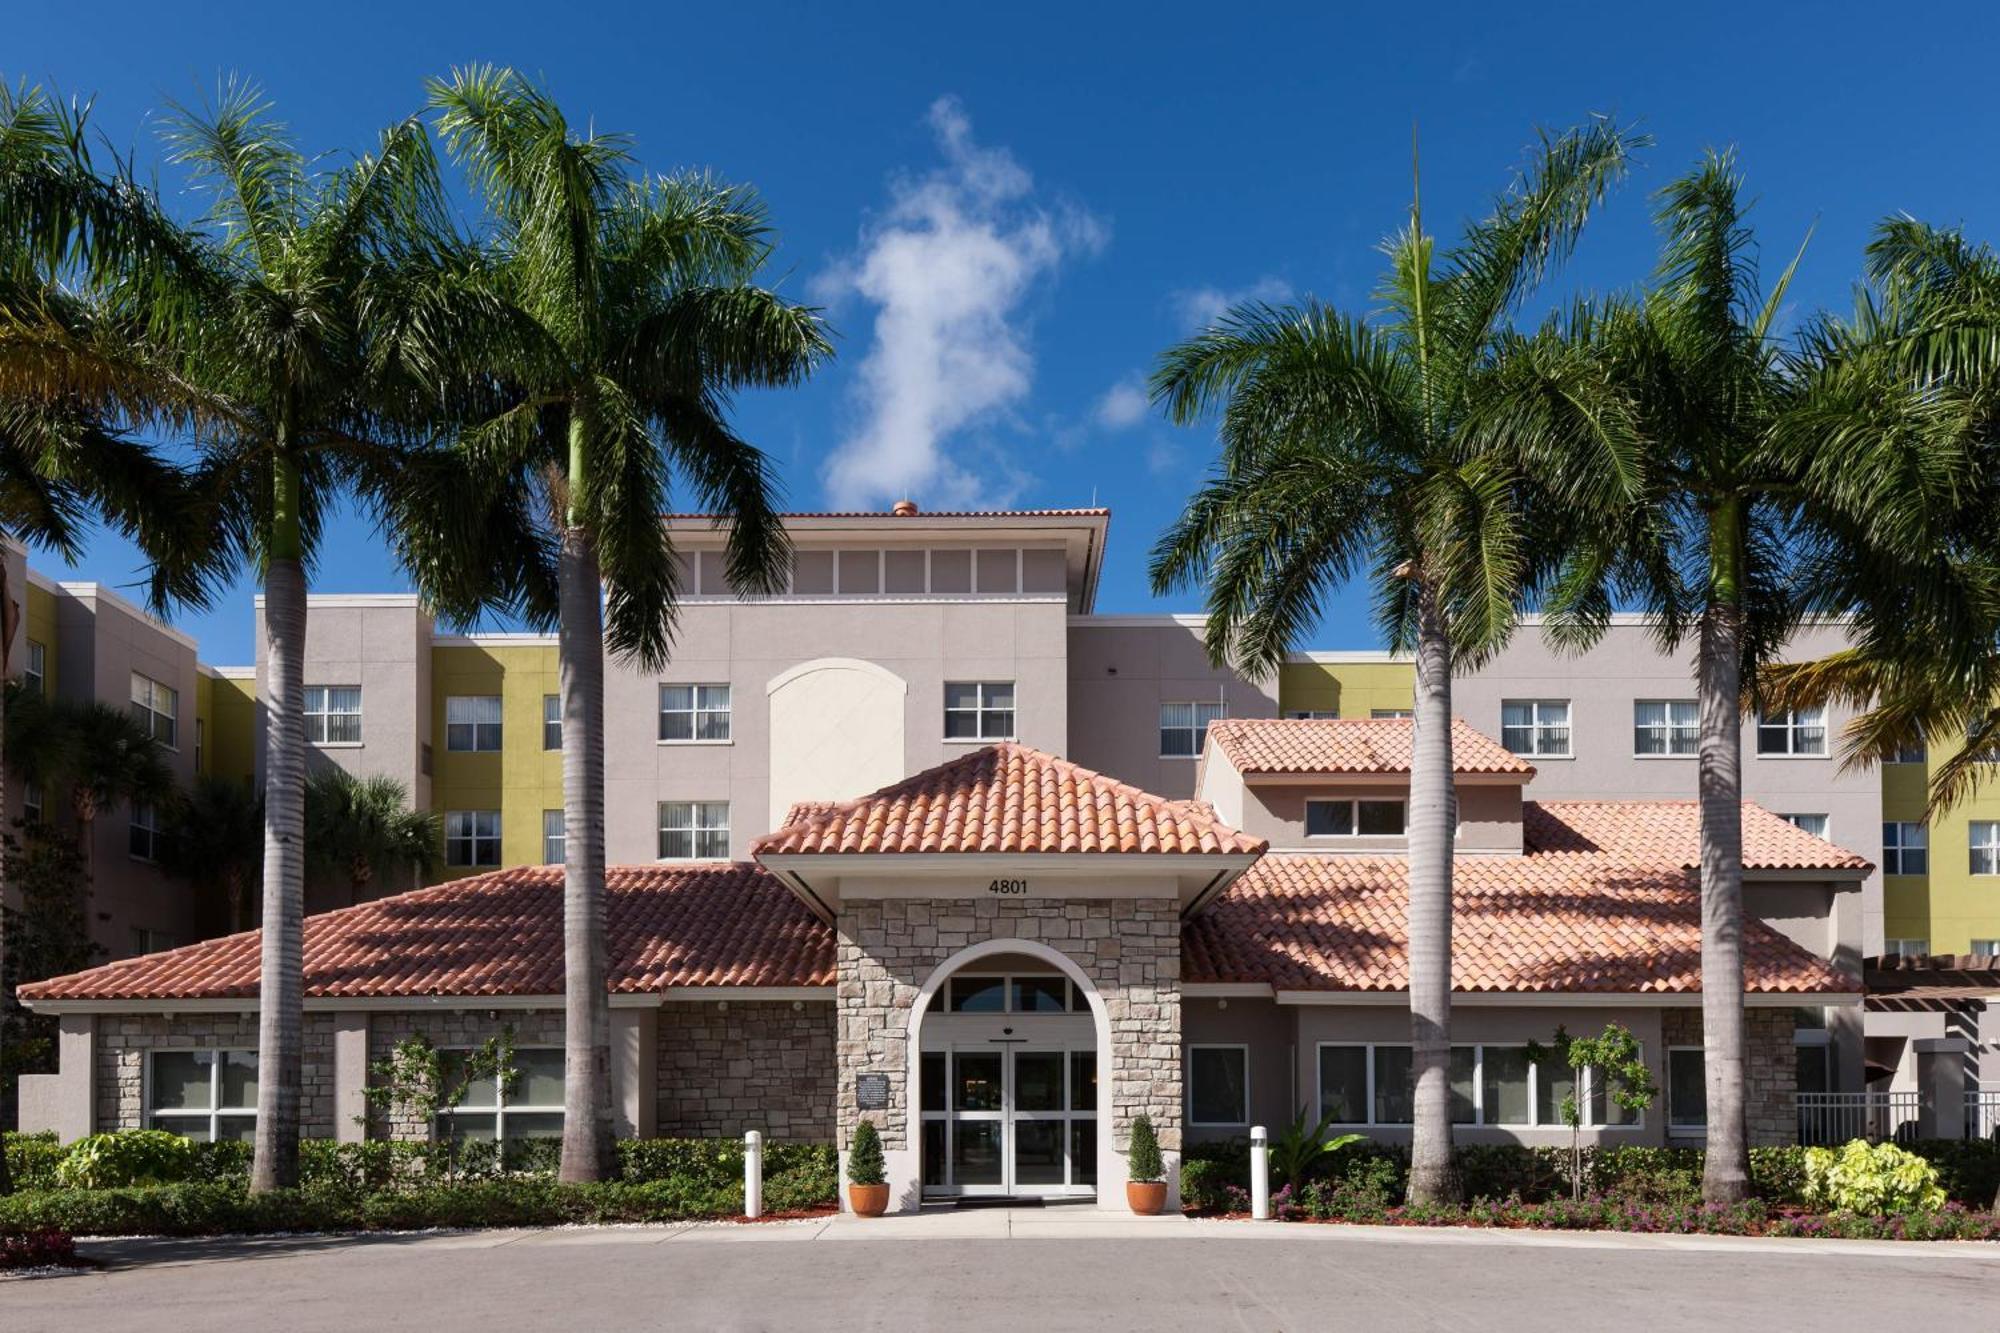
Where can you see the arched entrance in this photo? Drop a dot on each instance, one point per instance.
(1009, 1044)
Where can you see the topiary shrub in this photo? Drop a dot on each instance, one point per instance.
(1877, 1180)
(32, 1159)
(127, 1157)
(864, 1156)
(1144, 1164)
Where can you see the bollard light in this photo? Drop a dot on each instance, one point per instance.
(753, 1174)
(1260, 1174)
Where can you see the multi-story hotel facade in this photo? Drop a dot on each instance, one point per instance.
(874, 833)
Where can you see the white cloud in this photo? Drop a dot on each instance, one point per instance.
(947, 267)
(1199, 307)
(1123, 405)
(1165, 460)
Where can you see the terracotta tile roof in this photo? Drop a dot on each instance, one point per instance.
(1669, 833)
(727, 924)
(1010, 798)
(1564, 921)
(1350, 745)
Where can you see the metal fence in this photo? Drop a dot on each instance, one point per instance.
(1982, 1113)
(1827, 1118)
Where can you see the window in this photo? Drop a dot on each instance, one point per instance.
(1813, 824)
(208, 1096)
(1490, 1085)
(146, 837)
(1906, 948)
(1799, 733)
(1905, 849)
(1986, 948)
(146, 941)
(1665, 727)
(1535, 726)
(555, 840)
(1030, 993)
(472, 838)
(1348, 819)
(1313, 714)
(472, 723)
(1814, 1050)
(35, 675)
(552, 722)
(201, 745)
(157, 708)
(333, 714)
(694, 830)
(694, 712)
(979, 710)
(531, 1109)
(31, 801)
(1984, 836)
(1184, 728)
(1389, 712)
(1909, 754)
(1219, 1085)
(1687, 1090)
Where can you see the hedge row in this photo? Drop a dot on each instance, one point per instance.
(1333, 1202)
(1215, 1176)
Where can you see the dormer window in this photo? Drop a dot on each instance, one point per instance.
(1355, 819)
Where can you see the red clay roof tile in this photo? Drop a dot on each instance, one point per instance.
(1349, 745)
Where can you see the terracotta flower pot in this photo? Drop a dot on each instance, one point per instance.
(1146, 1197)
(868, 1200)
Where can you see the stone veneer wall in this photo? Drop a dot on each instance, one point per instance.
(124, 1039)
(1129, 948)
(1771, 1067)
(454, 1028)
(758, 1064)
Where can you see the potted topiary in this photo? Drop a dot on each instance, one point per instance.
(867, 1178)
(1146, 1174)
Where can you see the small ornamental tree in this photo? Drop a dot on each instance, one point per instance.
(1145, 1165)
(864, 1156)
(420, 1083)
(1627, 1082)
(1301, 1146)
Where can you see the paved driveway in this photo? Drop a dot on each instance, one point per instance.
(1019, 1272)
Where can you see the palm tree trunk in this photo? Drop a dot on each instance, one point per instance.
(6, 992)
(587, 1152)
(1726, 1165)
(281, 985)
(1433, 822)
(83, 808)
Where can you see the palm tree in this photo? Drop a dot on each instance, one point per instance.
(218, 834)
(618, 314)
(1357, 446)
(261, 331)
(359, 828)
(1706, 540)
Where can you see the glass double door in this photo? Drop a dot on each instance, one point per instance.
(1003, 1119)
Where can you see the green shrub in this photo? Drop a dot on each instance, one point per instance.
(1144, 1164)
(1205, 1185)
(1968, 1169)
(32, 1159)
(127, 1157)
(864, 1156)
(1871, 1180)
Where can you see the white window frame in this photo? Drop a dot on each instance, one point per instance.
(551, 717)
(1313, 715)
(1075, 1001)
(1243, 1050)
(555, 837)
(1909, 754)
(1669, 730)
(1906, 947)
(1688, 1131)
(1898, 847)
(473, 838)
(1985, 947)
(1824, 830)
(35, 670)
(1201, 712)
(1388, 714)
(32, 798)
(701, 708)
(701, 823)
(157, 707)
(981, 710)
(143, 824)
(477, 730)
(501, 1107)
(1354, 804)
(216, 1113)
(1983, 836)
(1790, 724)
(1586, 1095)
(1539, 727)
(320, 715)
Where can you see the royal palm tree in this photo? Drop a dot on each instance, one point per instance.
(260, 330)
(617, 313)
(361, 828)
(217, 833)
(1353, 447)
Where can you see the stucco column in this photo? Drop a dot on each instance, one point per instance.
(1941, 1080)
(350, 1076)
(635, 1047)
(65, 1101)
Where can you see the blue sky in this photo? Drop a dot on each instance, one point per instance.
(1010, 210)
